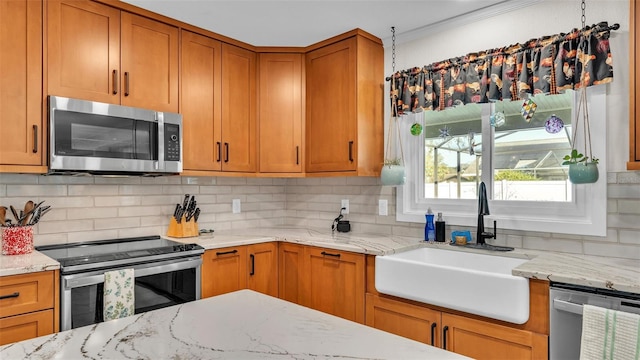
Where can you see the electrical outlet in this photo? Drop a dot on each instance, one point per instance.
(235, 206)
(382, 207)
(345, 205)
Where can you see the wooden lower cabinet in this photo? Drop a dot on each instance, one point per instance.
(463, 335)
(28, 306)
(290, 260)
(333, 282)
(482, 340)
(230, 269)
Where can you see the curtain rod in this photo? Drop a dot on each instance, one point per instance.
(598, 27)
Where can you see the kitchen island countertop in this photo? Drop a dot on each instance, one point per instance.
(239, 325)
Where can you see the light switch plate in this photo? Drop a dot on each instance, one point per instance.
(345, 205)
(235, 206)
(382, 207)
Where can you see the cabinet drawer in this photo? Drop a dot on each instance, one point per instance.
(27, 326)
(26, 293)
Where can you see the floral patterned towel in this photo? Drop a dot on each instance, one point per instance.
(119, 300)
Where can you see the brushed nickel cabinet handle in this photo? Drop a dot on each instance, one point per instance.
(115, 82)
(35, 139)
(126, 83)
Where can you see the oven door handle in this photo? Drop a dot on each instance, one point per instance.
(567, 306)
(166, 266)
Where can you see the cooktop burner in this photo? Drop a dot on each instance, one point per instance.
(106, 253)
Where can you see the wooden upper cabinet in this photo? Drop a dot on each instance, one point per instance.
(83, 50)
(280, 113)
(99, 53)
(200, 104)
(149, 64)
(238, 109)
(344, 107)
(634, 83)
(21, 131)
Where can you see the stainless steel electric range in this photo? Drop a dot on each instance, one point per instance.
(166, 273)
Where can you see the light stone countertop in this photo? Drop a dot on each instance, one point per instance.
(239, 325)
(599, 272)
(27, 263)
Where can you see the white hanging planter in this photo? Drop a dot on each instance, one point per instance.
(393, 175)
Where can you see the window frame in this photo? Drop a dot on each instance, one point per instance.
(586, 214)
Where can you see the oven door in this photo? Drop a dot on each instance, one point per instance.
(157, 285)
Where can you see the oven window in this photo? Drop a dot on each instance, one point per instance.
(91, 135)
(151, 292)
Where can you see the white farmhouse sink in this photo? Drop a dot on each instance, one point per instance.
(475, 283)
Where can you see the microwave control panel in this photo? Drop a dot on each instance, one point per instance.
(172, 142)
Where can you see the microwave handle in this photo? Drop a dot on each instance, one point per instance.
(160, 163)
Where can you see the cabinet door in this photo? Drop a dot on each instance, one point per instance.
(280, 113)
(21, 83)
(238, 109)
(263, 268)
(224, 270)
(334, 283)
(331, 108)
(26, 326)
(201, 102)
(83, 50)
(290, 269)
(404, 319)
(149, 64)
(482, 340)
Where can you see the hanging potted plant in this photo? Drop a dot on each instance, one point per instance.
(393, 172)
(583, 169)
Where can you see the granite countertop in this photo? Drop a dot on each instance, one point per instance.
(27, 263)
(239, 325)
(599, 272)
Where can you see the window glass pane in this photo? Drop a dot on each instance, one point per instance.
(527, 158)
(453, 152)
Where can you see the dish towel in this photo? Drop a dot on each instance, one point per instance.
(609, 334)
(119, 299)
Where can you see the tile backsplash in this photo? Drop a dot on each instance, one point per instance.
(93, 208)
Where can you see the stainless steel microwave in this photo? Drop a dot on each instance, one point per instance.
(99, 138)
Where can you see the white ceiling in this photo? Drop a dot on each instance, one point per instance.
(304, 22)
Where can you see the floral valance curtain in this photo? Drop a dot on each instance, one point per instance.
(547, 65)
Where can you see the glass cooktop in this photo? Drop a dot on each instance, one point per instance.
(103, 253)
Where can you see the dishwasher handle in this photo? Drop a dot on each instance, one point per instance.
(568, 306)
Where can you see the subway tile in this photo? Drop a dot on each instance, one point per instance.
(36, 190)
(7, 178)
(134, 211)
(180, 189)
(129, 180)
(139, 189)
(237, 181)
(82, 236)
(554, 245)
(260, 181)
(375, 229)
(242, 189)
(629, 237)
(245, 224)
(612, 250)
(68, 202)
(623, 191)
(612, 178)
(629, 207)
(228, 198)
(3, 190)
(612, 206)
(162, 200)
(92, 213)
(629, 177)
(272, 189)
(65, 180)
(364, 181)
(162, 180)
(201, 180)
(116, 223)
(50, 239)
(160, 220)
(345, 190)
(118, 200)
(92, 190)
(65, 226)
(623, 221)
(217, 189)
(141, 231)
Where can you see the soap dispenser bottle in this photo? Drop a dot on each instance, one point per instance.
(429, 228)
(440, 228)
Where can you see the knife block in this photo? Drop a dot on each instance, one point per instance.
(183, 229)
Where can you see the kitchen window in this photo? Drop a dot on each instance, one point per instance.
(519, 162)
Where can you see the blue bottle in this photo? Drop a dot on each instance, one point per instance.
(429, 228)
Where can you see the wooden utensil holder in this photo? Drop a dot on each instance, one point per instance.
(183, 229)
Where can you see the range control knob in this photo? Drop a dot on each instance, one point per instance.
(174, 137)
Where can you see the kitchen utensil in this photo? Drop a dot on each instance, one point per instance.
(185, 203)
(28, 209)
(15, 214)
(3, 215)
(176, 212)
(196, 215)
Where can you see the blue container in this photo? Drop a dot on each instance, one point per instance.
(429, 228)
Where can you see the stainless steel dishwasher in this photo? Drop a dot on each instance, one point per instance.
(565, 311)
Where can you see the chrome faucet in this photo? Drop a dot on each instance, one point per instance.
(483, 209)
